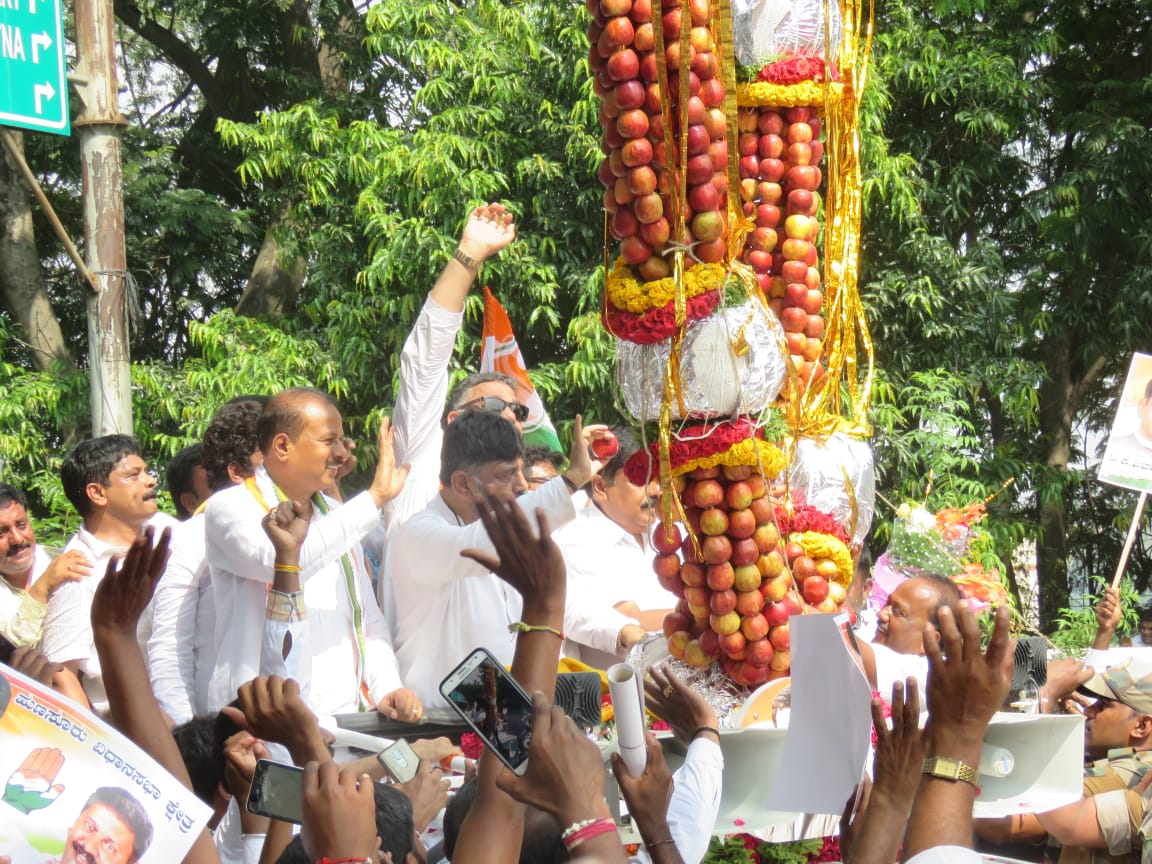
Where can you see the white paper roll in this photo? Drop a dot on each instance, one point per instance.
(628, 704)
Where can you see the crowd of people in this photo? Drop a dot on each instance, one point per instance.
(242, 627)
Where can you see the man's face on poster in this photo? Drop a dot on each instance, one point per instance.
(99, 836)
(1144, 407)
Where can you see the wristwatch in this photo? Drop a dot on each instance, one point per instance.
(950, 769)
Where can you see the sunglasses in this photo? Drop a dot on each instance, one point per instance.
(496, 405)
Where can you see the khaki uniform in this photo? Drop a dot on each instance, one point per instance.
(1124, 817)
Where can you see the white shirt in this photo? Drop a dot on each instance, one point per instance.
(181, 646)
(240, 561)
(68, 627)
(447, 605)
(418, 435)
(892, 667)
(695, 802)
(21, 617)
(606, 566)
(946, 855)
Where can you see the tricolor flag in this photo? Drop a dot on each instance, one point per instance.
(500, 353)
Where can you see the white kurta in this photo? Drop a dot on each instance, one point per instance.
(181, 647)
(892, 667)
(447, 605)
(606, 566)
(240, 560)
(68, 627)
(22, 617)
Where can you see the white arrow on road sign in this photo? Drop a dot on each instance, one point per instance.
(40, 40)
(43, 90)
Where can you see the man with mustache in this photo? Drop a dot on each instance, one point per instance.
(113, 490)
(111, 829)
(28, 577)
(613, 595)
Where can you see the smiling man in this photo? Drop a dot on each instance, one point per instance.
(111, 829)
(301, 438)
(111, 487)
(28, 577)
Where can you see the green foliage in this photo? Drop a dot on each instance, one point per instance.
(1076, 628)
(730, 850)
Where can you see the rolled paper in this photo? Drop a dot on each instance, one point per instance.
(628, 703)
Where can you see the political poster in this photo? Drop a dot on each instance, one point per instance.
(75, 790)
(1127, 459)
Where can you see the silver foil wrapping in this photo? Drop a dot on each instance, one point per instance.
(821, 474)
(766, 29)
(711, 682)
(731, 362)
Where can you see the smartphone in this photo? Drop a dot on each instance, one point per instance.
(489, 700)
(277, 792)
(399, 760)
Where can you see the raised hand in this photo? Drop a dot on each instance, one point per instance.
(286, 526)
(489, 229)
(428, 792)
(241, 753)
(33, 785)
(271, 709)
(580, 468)
(389, 478)
(528, 561)
(126, 589)
(647, 795)
(339, 813)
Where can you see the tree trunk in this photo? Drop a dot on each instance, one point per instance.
(273, 284)
(22, 288)
(1056, 415)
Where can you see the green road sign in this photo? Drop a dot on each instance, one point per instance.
(33, 89)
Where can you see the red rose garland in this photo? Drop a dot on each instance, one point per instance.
(657, 324)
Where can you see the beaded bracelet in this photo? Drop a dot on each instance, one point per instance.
(521, 627)
(579, 832)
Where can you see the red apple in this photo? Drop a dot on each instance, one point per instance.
(723, 624)
(694, 655)
(794, 319)
(738, 496)
(781, 662)
(632, 249)
(776, 614)
(693, 575)
(744, 552)
(781, 637)
(697, 596)
(770, 123)
(720, 577)
(754, 627)
(766, 537)
(813, 300)
(770, 564)
(761, 507)
(713, 521)
(707, 226)
(667, 565)
(656, 234)
(676, 621)
(722, 602)
(666, 538)
(769, 192)
(707, 493)
(711, 88)
(703, 197)
(803, 567)
(772, 170)
(645, 38)
(758, 487)
(815, 590)
(677, 642)
(749, 602)
(746, 577)
(641, 10)
(732, 643)
(759, 652)
(741, 524)
(776, 589)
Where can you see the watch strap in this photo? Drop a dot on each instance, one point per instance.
(951, 769)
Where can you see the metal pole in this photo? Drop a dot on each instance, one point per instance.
(100, 126)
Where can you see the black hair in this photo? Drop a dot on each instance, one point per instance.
(394, 825)
(864, 561)
(231, 439)
(475, 438)
(1146, 613)
(947, 594)
(179, 474)
(540, 844)
(628, 445)
(282, 414)
(458, 395)
(10, 495)
(131, 813)
(535, 455)
(92, 461)
(203, 755)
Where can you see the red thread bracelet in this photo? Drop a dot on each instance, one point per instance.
(588, 832)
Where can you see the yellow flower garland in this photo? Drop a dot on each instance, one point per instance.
(810, 93)
(751, 451)
(826, 546)
(627, 293)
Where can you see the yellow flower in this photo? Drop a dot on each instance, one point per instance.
(751, 451)
(826, 546)
(789, 95)
(627, 293)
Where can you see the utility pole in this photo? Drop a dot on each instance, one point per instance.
(100, 126)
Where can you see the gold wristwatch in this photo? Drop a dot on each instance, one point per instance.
(950, 769)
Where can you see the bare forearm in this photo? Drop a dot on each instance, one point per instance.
(877, 838)
(942, 814)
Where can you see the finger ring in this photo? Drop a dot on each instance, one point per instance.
(668, 692)
(415, 711)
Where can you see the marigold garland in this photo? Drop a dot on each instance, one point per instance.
(817, 545)
(627, 293)
(659, 324)
(820, 96)
(735, 442)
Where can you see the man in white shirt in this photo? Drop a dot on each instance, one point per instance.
(110, 485)
(613, 594)
(182, 645)
(446, 604)
(28, 577)
(301, 437)
(187, 480)
(419, 415)
(897, 650)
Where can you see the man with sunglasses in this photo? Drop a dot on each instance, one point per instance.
(1112, 821)
(420, 416)
(112, 488)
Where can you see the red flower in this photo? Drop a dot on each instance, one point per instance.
(693, 442)
(657, 324)
(471, 745)
(793, 70)
(808, 518)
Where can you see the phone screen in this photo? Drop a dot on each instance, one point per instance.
(277, 791)
(492, 703)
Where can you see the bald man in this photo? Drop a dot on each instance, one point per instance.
(301, 438)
